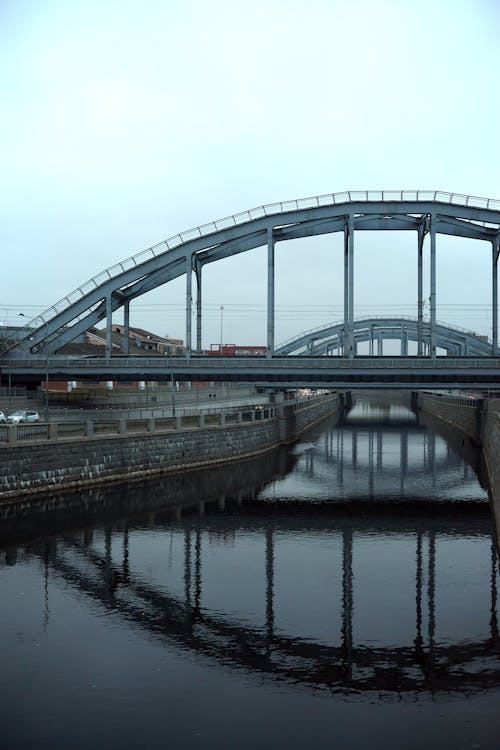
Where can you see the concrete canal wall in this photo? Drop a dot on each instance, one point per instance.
(57, 461)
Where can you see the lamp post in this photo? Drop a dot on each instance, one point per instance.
(221, 313)
(172, 385)
(46, 367)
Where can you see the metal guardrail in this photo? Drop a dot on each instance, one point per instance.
(99, 413)
(471, 402)
(271, 209)
(285, 362)
(44, 431)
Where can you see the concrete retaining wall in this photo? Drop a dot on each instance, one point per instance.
(80, 462)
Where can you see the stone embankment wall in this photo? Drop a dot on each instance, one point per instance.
(488, 427)
(85, 461)
(459, 414)
(478, 421)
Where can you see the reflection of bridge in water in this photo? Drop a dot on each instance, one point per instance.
(235, 503)
(105, 573)
(362, 458)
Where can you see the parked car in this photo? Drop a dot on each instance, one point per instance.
(3, 418)
(23, 415)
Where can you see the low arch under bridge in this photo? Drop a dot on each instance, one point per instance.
(331, 339)
(428, 213)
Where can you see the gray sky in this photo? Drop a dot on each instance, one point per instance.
(123, 123)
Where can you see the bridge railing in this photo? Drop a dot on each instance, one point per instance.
(89, 428)
(243, 217)
(285, 362)
(220, 365)
(14, 433)
(470, 401)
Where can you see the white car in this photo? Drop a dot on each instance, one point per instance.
(3, 418)
(23, 415)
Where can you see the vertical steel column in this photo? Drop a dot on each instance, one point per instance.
(420, 301)
(351, 284)
(345, 343)
(189, 302)
(109, 323)
(198, 307)
(126, 327)
(371, 341)
(270, 292)
(495, 246)
(404, 342)
(433, 287)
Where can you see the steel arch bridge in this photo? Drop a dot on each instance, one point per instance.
(428, 213)
(330, 339)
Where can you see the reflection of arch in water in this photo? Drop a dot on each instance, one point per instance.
(422, 665)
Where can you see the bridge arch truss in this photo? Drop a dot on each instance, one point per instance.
(330, 339)
(428, 213)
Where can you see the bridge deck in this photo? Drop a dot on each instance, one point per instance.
(287, 371)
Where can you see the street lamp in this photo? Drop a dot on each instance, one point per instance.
(221, 312)
(46, 367)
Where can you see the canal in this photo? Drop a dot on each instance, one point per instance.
(341, 593)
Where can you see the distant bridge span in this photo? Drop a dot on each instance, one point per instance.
(330, 339)
(428, 213)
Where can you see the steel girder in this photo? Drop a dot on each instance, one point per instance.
(82, 309)
(412, 373)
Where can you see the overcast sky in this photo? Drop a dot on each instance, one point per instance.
(125, 122)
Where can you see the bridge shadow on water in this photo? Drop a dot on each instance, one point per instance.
(385, 493)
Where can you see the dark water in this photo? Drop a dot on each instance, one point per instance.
(342, 594)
